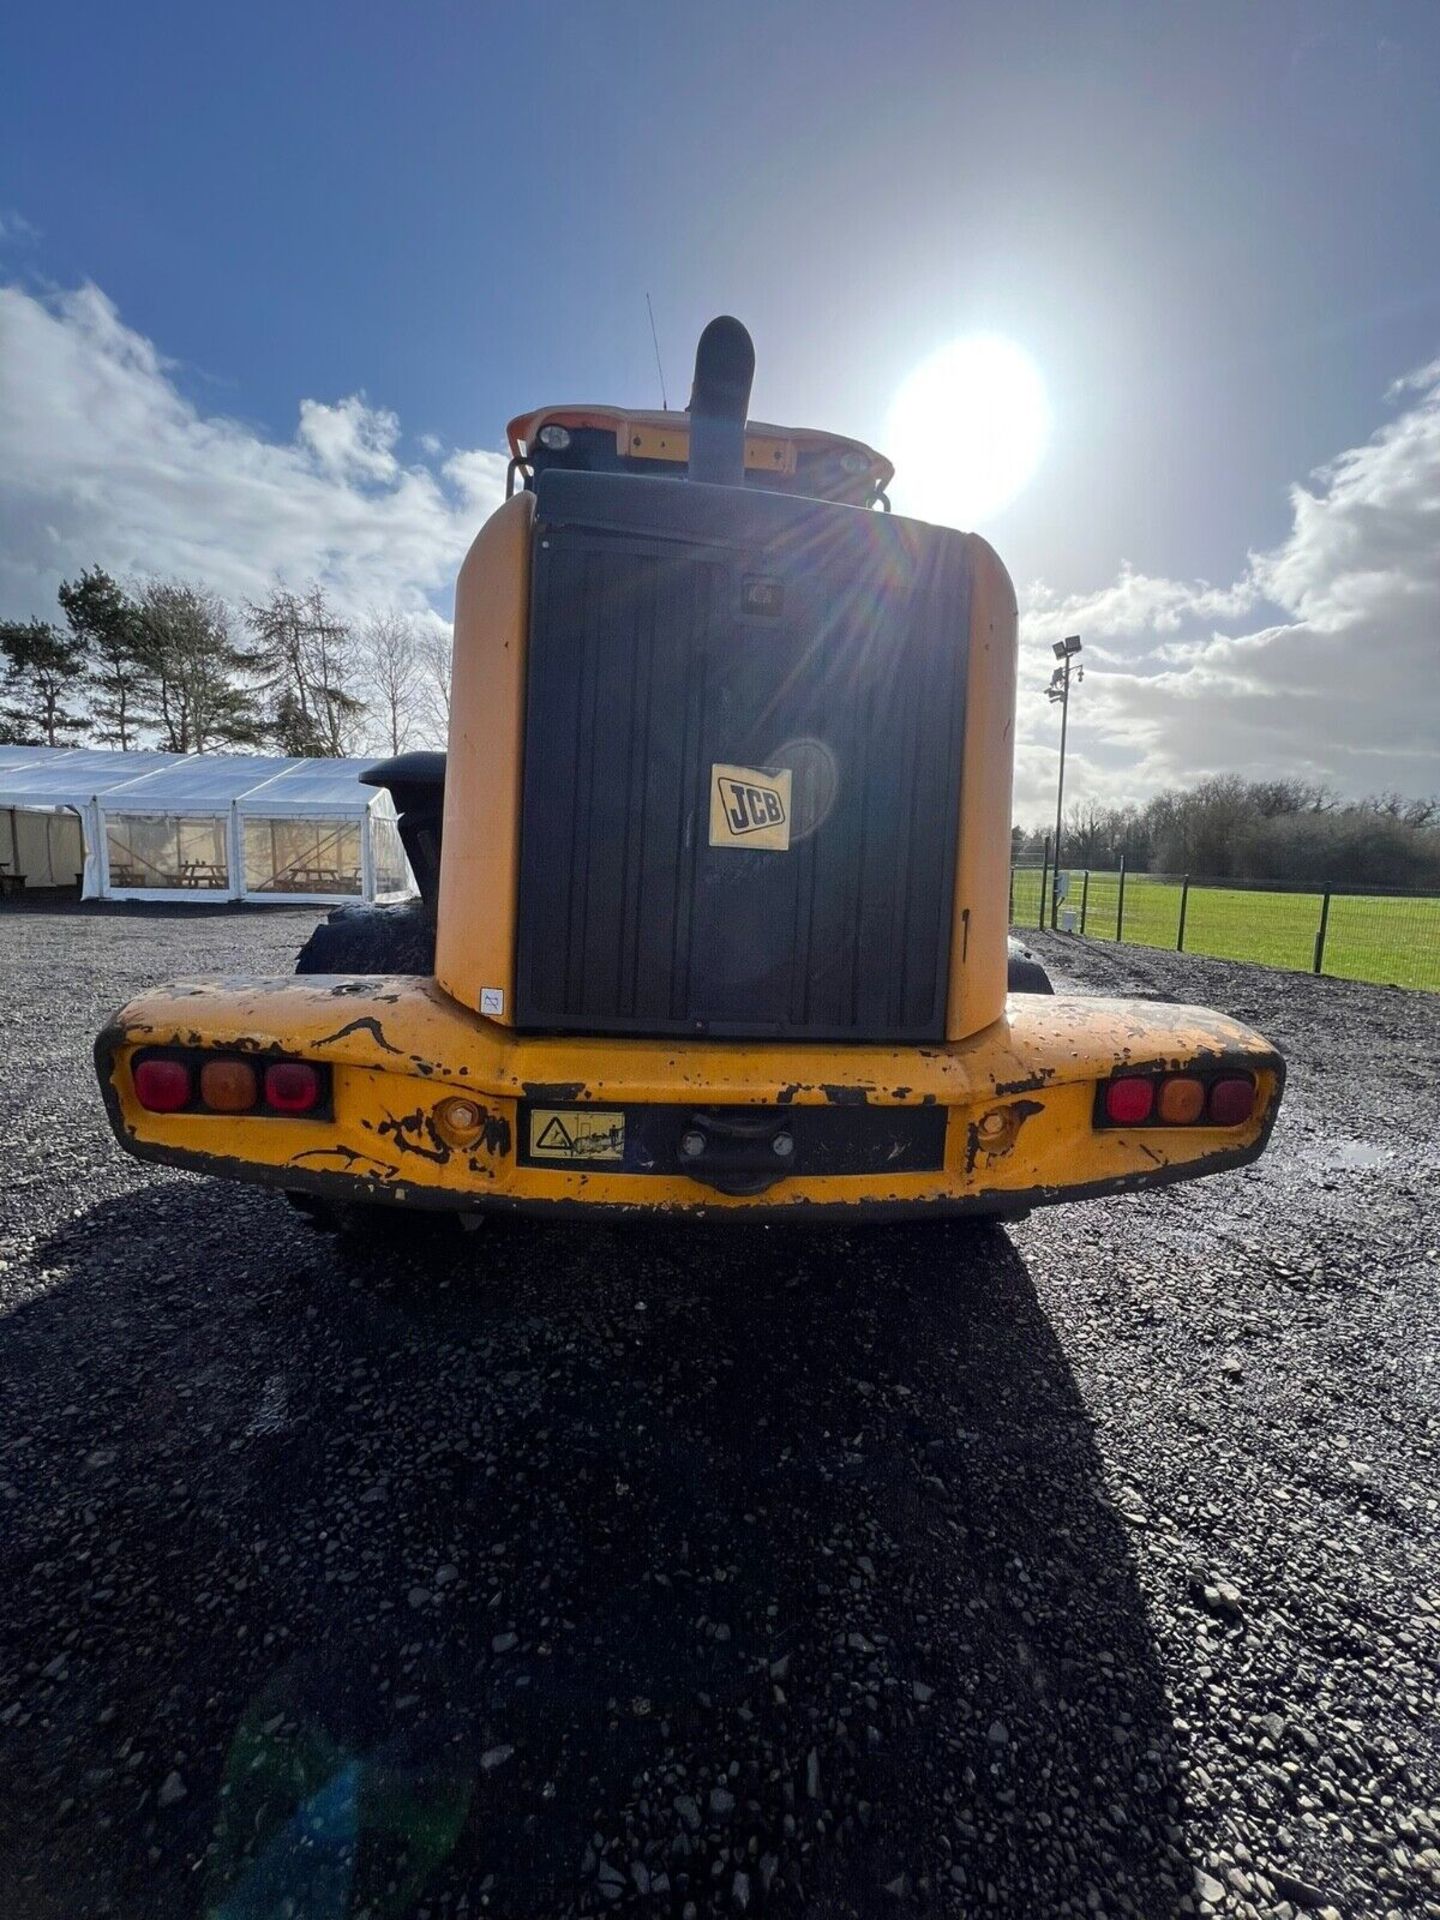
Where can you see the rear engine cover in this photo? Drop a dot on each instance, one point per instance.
(742, 764)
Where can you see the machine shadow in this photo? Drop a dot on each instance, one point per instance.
(589, 1567)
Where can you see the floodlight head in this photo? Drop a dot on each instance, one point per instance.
(1071, 644)
(1058, 649)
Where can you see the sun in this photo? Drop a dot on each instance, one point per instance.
(967, 430)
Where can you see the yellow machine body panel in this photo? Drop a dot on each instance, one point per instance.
(479, 877)
(1014, 1106)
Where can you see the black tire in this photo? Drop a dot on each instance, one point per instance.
(365, 939)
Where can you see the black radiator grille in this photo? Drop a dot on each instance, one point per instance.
(676, 629)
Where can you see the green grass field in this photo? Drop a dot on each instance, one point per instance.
(1393, 940)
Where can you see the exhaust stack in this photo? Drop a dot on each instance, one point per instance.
(720, 403)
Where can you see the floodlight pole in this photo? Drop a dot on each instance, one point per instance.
(1059, 689)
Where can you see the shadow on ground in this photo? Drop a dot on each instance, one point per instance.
(580, 1569)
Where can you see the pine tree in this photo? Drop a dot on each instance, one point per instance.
(106, 623)
(42, 665)
(187, 648)
(295, 730)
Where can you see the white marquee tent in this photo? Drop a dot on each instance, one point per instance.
(197, 826)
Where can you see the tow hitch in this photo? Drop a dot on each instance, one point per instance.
(742, 1152)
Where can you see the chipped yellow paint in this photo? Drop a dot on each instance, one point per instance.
(396, 1047)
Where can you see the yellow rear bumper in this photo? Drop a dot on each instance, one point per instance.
(1019, 1100)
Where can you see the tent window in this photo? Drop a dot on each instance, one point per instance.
(302, 856)
(391, 874)
(173, 852)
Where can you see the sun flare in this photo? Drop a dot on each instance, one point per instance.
(967, 431)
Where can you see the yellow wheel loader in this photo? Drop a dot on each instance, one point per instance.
(713, 885)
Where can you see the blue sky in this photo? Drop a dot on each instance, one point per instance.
(1215, 230)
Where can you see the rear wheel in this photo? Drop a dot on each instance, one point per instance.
(365, 939)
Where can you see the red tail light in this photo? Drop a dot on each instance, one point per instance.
(292, 1086)
(1232, 1101)
(163, 1086)
(1129, 1102)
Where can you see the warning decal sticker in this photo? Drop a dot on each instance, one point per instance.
(577, 1134)
(750, 807)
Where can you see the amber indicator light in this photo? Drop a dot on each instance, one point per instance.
(1182, 1100)
(229, 1086)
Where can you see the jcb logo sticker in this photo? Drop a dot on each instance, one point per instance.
(750, 807)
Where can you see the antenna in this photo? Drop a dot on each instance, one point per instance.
(664, 401)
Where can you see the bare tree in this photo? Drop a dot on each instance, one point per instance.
(433, 704)
(391, 668)
(1084, 833)
(1411, 811)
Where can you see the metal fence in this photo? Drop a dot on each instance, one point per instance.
(1389, 937)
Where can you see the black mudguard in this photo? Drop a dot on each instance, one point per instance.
(416, 783)
(1026, 975)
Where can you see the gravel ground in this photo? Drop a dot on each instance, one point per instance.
(1086, 1567)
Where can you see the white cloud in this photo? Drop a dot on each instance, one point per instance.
(1320, 661)
(1137, 603)
(350, 440)
(104, 460)
(473, 475)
